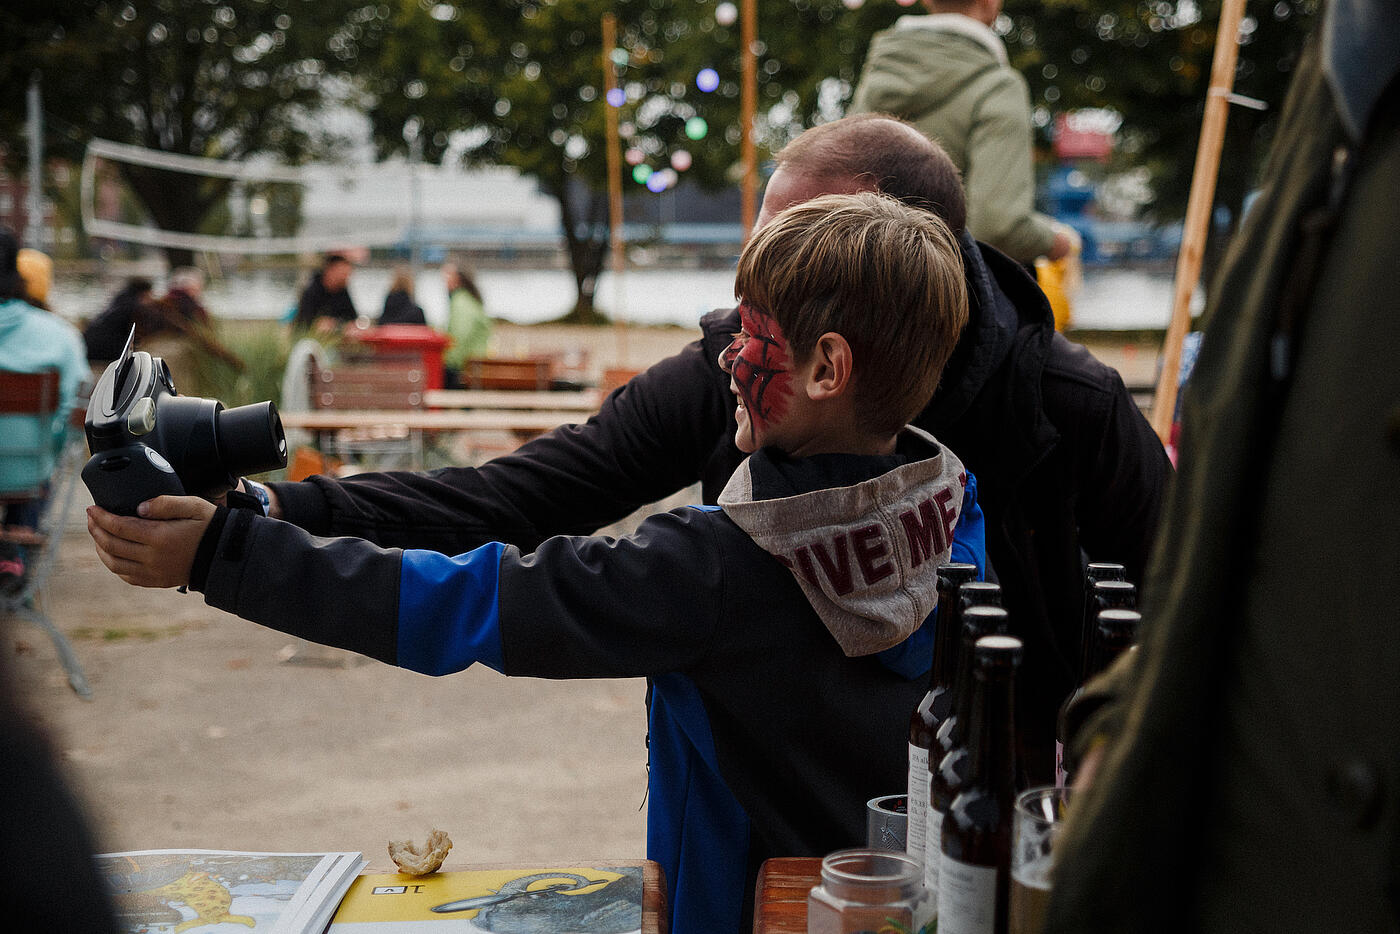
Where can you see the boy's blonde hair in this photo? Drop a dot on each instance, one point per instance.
(885, 276)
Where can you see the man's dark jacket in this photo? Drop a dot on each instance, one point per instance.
(400, 308)
(317, 301)
(1064, 461)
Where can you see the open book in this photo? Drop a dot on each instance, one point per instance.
(174, 891)
(581, 899)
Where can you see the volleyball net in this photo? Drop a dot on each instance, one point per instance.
(351, 181)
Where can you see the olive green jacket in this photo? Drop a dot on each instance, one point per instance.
(1252, 777)
(948, 75)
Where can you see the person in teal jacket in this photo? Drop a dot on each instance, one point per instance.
(31, 340)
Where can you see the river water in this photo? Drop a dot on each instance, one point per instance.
(1111, 298)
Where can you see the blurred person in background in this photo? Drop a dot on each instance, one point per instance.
(467, 323)
(106, 334)
(325, 303)
(947, 73)
(178, 328)
(31, 340)
(399, 306)
(36, 269)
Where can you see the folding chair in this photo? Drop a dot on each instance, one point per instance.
(36, 396)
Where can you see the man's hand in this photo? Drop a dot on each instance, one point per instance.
(1067, 241)
(156, 549)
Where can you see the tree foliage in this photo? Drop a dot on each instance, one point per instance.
(226, 79)
(1150, 61)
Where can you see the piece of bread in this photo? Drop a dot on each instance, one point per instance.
(419, 861)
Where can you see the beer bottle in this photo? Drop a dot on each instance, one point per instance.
(1115, 634)
(934, 707)
(974, 880)
(1094, 572)
(1103, 595)
(978, 620)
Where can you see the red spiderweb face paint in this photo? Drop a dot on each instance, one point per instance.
(759, 366)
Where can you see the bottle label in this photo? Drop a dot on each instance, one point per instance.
(933, 851)
(967, 898)
(918, 801)
(1060, 775)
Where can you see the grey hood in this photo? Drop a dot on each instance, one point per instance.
(865, 553)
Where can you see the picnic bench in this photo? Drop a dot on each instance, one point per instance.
(380, 407)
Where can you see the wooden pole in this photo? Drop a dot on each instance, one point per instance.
(614, 151)
(1198, 211)
(748, 103)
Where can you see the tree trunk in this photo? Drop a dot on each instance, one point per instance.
(586, 251)
(176, 201)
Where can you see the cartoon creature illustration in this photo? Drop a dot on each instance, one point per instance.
(569, 902)
(208, 898)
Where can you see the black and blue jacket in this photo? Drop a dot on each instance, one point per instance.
(775, 713)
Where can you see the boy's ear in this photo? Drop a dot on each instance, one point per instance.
(832, 364)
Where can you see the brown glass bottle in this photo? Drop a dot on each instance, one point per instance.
(933, 708)
(978, 620)
(1108, 592)
(1114, 634)
(1094, 572)
(974, 879)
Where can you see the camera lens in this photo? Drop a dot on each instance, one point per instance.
(251, 439)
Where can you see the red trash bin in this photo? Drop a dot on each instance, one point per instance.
(406, 339)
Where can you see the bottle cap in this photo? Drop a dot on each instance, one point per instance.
(979, 593)
(955, 573)
(999, 651)
(1118, 625)
(980, 621)
(1096, 571)
(1115, 595)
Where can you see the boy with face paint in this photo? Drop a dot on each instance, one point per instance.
(785, 632)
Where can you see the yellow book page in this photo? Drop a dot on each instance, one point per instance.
(584, 899)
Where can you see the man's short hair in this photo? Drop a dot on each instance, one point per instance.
(886, 153)
(885, 276)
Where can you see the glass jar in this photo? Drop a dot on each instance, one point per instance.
(868, 890)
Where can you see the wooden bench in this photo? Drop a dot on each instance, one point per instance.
(379, 383)
(584, 400)
(517, 373)
(515, 425)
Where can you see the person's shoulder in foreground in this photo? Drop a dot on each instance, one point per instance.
(792, 601)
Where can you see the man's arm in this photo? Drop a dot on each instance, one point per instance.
(650, 439)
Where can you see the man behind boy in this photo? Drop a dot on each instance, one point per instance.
(777, 628)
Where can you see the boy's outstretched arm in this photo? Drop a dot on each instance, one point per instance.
(156, 548)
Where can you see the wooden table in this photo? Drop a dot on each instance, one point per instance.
(583, 400)
(780, 895)
(419, 420)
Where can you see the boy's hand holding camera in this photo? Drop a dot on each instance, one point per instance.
(156, 547)
(147, 443)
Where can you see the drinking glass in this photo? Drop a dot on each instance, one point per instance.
(1038, 818)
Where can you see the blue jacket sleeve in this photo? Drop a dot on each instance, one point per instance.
(970, 536)
(577, 608)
